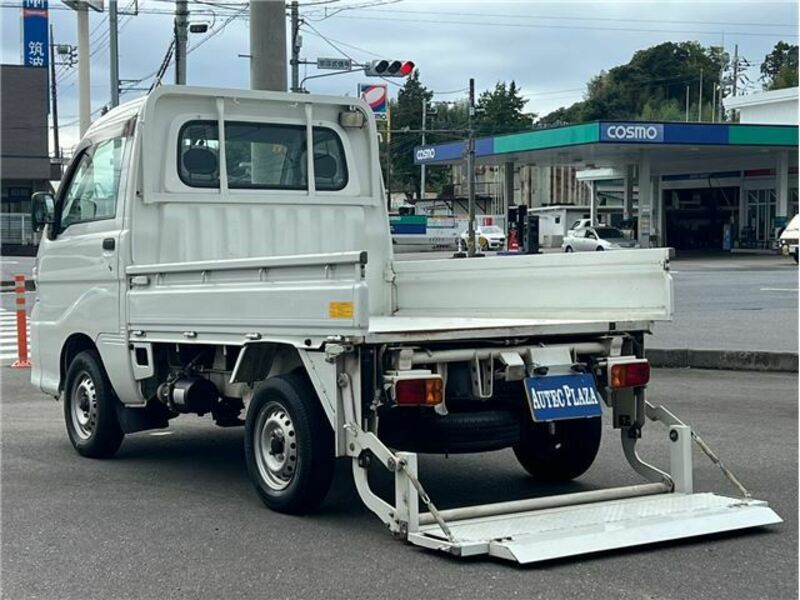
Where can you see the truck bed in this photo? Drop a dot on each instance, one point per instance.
(316, 296)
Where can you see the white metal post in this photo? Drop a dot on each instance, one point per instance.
(680, 458)
(406, 496)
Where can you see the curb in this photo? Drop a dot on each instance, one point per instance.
(729, 360)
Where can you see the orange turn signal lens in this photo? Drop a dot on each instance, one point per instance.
(625, 375)
(419, 392)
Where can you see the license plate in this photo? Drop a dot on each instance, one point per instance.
(557, 397)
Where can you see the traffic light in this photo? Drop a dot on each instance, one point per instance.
(389, 68)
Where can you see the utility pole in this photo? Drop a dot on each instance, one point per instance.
(268, 45)
(84, 83)
(471, 171)
(700, 98)
(181, 36)
(422, 166)
(54, 96)
(687, 103)
(113, 47)
(389, 159)
(297, 44)
(735, 68)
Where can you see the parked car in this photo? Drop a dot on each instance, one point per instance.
(787, 242)
(597, 238)
(579, 224)
(487, 237)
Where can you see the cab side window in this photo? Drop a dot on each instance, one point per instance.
(92, 192)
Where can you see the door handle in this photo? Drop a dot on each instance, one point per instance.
(109, 244)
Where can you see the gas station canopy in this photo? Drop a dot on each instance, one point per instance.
(609, 143)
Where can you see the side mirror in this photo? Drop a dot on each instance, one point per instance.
(42, 210)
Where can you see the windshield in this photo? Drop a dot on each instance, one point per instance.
(608, 233)
(491, 229)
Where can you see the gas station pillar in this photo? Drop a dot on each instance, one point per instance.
(508, 186)
(782, 184)
(627, 199)
(645, 201)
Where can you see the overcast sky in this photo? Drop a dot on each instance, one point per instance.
(550, 48)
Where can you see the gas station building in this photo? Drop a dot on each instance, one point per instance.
(685, 185)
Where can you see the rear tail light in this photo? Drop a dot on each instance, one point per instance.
(428, 391)
(630, 374)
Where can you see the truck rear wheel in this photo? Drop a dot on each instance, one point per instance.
(289, 445)
(90, 408)
(562, 455)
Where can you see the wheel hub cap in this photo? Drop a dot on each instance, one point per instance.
(275, 446)
(84, 406)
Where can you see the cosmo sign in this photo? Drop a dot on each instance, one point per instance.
(639, 133)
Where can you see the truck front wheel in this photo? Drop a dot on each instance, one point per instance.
(289, 445)
(560, 453)
(90, 408)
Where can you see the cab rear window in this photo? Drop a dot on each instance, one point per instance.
(260, 156)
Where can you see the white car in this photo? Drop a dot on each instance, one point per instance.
(487, 237)
(597, 238)
(579, 224)
(787, 243)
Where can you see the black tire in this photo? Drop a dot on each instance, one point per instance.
(797, 257)
(600, 249)
(90, 408)
(456, 433)
(563, 456)
(292, 475)
(569, 249)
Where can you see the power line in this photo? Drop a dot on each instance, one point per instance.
(561, 27)
(568, 18)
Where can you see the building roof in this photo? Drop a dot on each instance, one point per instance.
(762, 98)
(613, 141)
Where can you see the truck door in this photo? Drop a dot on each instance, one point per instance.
(78, 265)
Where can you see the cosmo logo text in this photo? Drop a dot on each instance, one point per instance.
(633, 132)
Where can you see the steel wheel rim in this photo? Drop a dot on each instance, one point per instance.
(84, 405)
(275, 446)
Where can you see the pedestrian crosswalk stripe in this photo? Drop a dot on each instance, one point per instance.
(8, 336)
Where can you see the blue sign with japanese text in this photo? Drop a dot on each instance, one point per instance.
(35, 49)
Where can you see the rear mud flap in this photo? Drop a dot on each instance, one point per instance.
(539, 535)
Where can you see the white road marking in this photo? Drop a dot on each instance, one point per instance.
(779, 290)
(8, 336)
(161, 433)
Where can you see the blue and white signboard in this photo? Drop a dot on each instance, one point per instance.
(557, 397)
(35, 49)
(636, 133)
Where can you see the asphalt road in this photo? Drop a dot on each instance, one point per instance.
(173, 516)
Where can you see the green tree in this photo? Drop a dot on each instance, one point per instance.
(653, 82)
(407, 115)
(779, 69)
(501, 110)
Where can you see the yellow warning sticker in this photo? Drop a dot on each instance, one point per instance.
(340, 310)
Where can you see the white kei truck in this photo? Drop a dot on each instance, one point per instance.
(227, 253)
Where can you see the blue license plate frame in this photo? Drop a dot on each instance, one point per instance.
(562, 397)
